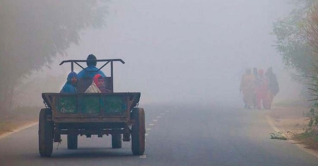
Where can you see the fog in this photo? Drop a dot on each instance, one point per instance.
(184, 51)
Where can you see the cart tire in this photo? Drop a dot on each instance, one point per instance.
(45, 133)
(138, 131)
(72, 141)
(116, 141)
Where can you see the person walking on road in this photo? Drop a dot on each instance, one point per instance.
(247, 87)
(273, 87)
(255, 72)
(261, 90)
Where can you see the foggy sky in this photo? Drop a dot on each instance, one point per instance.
(185, 50)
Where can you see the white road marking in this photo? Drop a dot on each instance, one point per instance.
(155, 120)
(143, 156)
(158, 117)
(148, 129)
(146, 134)
(151, 124)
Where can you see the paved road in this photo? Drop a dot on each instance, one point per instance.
(176, 136)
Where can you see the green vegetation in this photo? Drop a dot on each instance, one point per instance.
(291, 37)
(308, 138)
(33, 32)
(297, 42)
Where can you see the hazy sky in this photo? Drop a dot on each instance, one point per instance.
(185, 50)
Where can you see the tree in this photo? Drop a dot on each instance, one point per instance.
(291, 38)
(312, 38)
(33, 32)
(312, 29)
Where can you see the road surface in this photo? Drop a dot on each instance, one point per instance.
(176, 136)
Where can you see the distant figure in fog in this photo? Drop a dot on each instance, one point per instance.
(273, 87)
(100, 82)
(261, 90)
(247, 87)
(255, 72)
(70, 85)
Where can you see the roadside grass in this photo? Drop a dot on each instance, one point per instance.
(308, 138)
(294, 119)
(310, 135)
(18, 117)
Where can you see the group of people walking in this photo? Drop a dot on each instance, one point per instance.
(259, 88)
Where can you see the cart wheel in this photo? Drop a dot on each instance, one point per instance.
(116, 141)
(72, 141)
(45, 133)
(138, 131)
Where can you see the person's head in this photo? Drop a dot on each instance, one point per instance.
(99, 80)
(72, 78)
(91, 60)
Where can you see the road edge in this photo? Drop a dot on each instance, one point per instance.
(18, 129)
(300, 146)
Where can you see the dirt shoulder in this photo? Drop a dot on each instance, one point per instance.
(289, 119)
(292, 121)
(19, 117)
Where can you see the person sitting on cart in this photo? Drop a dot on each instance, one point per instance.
(70, 85)
(91, 70)
(99, 80)
(92, 88)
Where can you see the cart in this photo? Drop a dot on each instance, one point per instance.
(88, 114)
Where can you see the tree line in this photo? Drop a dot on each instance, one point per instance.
(34, 32)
